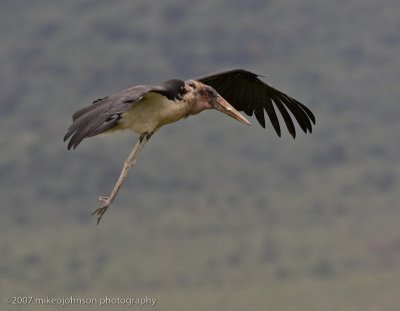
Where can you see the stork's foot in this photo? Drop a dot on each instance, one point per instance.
(101, 210)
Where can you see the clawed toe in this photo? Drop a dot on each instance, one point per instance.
(101, 210)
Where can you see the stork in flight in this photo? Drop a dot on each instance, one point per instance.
(144, 109)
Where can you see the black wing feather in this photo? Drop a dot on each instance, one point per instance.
(269, 108)
(285, 115)
(246, 92)
(259, 113)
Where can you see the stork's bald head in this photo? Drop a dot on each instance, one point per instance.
(202, 97)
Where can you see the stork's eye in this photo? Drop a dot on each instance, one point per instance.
(210, 92)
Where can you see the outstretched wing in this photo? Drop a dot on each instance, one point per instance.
(104, 114)
(246, 92)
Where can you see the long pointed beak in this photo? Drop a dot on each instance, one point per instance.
(222, 105)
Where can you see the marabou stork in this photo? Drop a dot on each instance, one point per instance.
(146, 108)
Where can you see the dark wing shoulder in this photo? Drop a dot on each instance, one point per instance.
(172, 89)
(246, 92)
(104, 113)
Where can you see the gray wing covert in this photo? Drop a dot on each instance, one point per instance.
(104, 114)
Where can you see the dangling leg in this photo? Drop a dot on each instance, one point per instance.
(129, 162)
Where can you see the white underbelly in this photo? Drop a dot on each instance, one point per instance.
(151, 113)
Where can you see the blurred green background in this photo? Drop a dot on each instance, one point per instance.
(216, 215)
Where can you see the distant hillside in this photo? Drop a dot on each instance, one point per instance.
(211, 204)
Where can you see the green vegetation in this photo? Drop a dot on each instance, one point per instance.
(216, 216)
